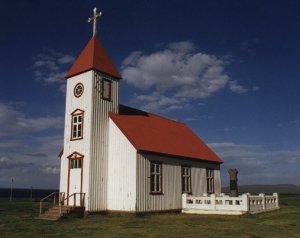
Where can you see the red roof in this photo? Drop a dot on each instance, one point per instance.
(94, 57)
(151, 133)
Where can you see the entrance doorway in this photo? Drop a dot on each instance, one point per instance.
(75, 179)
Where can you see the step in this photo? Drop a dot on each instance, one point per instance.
(53, 213)
(57, 208)
(49, 212)
(49, 217)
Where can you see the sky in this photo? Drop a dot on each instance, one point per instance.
(228, 69)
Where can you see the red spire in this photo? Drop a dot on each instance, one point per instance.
(94, 57)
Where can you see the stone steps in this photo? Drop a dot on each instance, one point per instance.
(53, 213)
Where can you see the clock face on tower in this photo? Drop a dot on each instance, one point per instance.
(78, 90)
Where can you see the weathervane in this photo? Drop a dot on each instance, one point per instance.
(94, 19)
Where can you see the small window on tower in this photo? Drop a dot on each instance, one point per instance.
(77, 125)
(106, 89)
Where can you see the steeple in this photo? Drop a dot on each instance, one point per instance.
(93, 56)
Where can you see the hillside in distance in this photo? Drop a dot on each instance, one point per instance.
(268, 189)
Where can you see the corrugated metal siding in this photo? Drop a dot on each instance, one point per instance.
(121, 171)
(99, 142)
(171, 181)
(217, 176)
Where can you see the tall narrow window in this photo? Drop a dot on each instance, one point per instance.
(210, 180)
(156, 178)
(77, 125)
(186, 179)
(106, 89)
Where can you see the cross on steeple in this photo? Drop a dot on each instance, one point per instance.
(94, 19)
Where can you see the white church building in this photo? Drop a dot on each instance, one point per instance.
(119, 159)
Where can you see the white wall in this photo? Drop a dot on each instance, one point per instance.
(81, 146)
(121, 172)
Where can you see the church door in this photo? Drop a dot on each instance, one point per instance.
(75, 182)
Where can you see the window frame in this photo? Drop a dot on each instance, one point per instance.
(102, 89)
(186, 179)
(74, 90)
(155, 174)
(75, 159)
(77, 113)
(210, 180)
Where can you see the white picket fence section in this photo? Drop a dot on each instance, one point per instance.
(224, 204)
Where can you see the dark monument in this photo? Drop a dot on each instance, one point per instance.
(233, 182)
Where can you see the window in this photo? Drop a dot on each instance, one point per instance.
(75, 160)
(75, 163)
(106, 89)
(186, 179)
(77, 125)
(210, 180)
(78, 90)
(156, 178)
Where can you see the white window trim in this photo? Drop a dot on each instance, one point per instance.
(156, 177)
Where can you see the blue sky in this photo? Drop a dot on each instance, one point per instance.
(228, 69)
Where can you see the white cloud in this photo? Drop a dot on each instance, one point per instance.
(9, 163)
(28, 164)
(51, 67)
(179, 73)
(14, 122)
(258, 164)
(52, 170)
(156, 101)
(236, 88)
(255, 88)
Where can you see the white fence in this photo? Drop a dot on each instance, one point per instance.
(224, 204)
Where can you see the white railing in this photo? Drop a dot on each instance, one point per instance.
(224, 204)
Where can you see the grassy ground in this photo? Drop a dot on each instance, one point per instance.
(18, 219)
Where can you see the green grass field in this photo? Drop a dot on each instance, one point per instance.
(18, 219)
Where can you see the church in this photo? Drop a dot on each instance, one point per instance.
(116, 158)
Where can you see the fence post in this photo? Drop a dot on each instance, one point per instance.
(184, 195)
(245, 207)
(213, 201)
(276, 199)
(263, 200)
(40, 207)
(54, 199)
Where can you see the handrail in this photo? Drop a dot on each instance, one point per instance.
(54, 199)
(82, 197)
(62, 199)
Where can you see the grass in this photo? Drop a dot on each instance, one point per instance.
(18, 219)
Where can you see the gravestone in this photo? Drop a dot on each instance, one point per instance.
(233, 182)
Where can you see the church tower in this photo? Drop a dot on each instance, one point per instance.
(92, 92)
